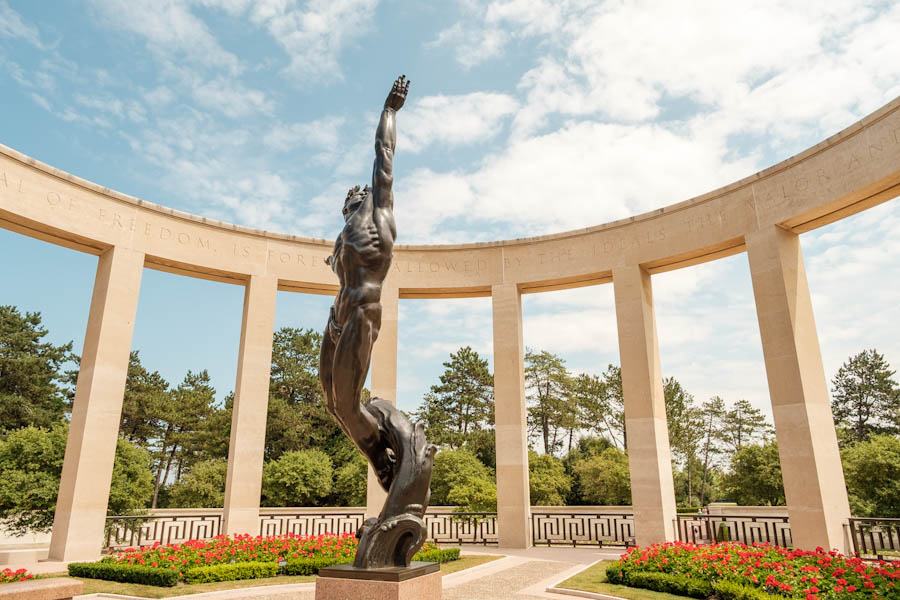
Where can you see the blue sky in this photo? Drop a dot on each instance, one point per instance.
(525, 117)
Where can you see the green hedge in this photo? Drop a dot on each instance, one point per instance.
(125, 573)
(438, 555)
(231, 572)
(311, 566)
(664, 582)
(732, 590)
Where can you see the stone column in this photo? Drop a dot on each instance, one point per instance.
(513, 498)
(384, 377)
(649, 458)
(91, 446)
(251, 401)
(804, 427)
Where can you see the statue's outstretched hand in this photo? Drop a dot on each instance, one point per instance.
(397, 96)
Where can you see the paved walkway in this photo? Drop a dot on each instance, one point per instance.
(520, 575)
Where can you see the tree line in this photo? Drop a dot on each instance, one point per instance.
(173, 439)
(721, 452)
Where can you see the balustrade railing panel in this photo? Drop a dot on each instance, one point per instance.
(582, 529)
(309, 524)
(145, 530)
(748, 529)
(877, 539)
(461, 528)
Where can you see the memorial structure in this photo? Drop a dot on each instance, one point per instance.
(761, 215)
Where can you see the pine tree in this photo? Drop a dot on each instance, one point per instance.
(547, 379)
(32, 388)
(865, 397)
(462, 403)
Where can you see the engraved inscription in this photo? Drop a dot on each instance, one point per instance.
(6, 182)
(626, 242)
(311, 261)
(448, 266)
(697, 222)
(828, 179)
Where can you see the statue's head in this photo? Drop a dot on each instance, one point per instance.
(355, 197)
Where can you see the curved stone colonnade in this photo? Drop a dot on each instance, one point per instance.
(761, 214)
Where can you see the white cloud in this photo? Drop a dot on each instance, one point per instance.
(313, 37)
(13, 26)
(453, 120)
(231, 98)
(591, 172)
(171, 30)
(321, 133)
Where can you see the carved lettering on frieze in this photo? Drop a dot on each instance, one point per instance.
(310, 261)
(626, 242)
(239, 251)
(56, 200)
(697, 222)
(828, 179)
(448, 266)
(180, 238)
(555, 257)
(6, 182)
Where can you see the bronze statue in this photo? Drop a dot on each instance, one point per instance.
(396, 448)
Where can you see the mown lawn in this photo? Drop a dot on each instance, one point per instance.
(94, 586)
(594, 580)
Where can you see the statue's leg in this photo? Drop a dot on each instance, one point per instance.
(352, 355)
(326, 362)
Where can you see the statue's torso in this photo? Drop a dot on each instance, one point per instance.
(362, 256)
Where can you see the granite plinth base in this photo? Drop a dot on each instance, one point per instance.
(419, 581)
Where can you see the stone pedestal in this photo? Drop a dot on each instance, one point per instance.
(419, 581)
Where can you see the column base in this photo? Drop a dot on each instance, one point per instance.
(419, 581)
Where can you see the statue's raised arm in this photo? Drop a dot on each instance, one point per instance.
(385, 142)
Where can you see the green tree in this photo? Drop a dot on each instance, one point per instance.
(460, 479)
(548, 482)
(743, 424)
(872, 471)
(202, 487)
(713, 414)
(600, 408)
(350, 482)
(297, 478)
(604, 479)
(755, 476)
(685, 424)
(146, 395)
(549, 413)
(32, 461)
(297, 418)
(31, 383)
(585, 447)
(865, 399)
(462, 403)
(183, 424)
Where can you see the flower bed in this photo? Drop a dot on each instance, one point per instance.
(226, 558)
(9, 576)
(734, 571)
